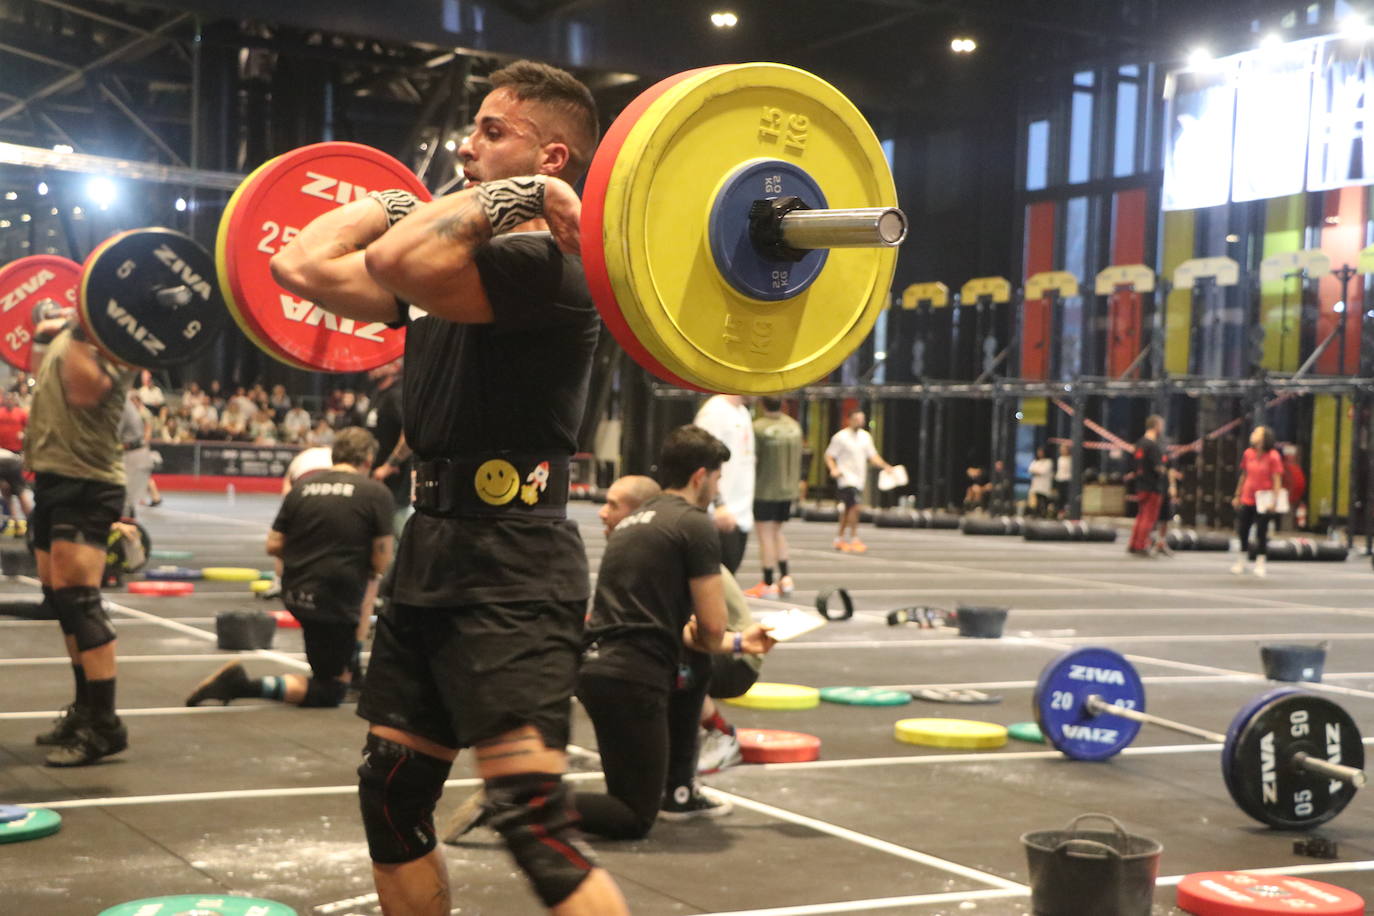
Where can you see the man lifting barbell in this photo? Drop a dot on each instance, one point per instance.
(478, 646)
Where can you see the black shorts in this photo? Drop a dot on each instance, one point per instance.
(329, 647)
(73, 509)
(731, 677)
(12, 475)
(460, 675)
(772, 510)
(849, 496)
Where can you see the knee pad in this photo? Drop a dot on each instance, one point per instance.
(397, 790)
(81, 614)
(49, 609)
(324, 692)
(534, 814)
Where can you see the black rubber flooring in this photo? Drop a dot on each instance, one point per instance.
(259, 799)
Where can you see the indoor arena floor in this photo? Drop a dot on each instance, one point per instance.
(259, 799)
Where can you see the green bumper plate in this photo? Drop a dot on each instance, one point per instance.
(172, 554)
(1026, 731)
(38, 822)
(201, 906)
(865, 696)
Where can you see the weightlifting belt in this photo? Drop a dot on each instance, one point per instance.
(505, 484)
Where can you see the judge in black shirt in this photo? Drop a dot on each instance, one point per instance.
(479, 644)
(658, 593)
(333, 535)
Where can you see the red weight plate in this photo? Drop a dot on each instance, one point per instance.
(593, 226)
(23, 284)
(277, 201)
(768, 745)
(161, 588)
(285, 620)
(1230, 893)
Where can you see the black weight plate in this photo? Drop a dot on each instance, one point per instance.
(150, 298)
(1259, 771)
(1228, 750)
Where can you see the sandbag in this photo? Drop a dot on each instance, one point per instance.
(1188, 539)
(998, 524)
(895, 518)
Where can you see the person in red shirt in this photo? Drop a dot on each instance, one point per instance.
(1294, 480)
(13, 419)
(1261, 470)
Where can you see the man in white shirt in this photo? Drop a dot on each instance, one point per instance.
(727, 417)
(848, 456)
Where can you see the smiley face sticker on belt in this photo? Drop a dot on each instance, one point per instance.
(497, 482)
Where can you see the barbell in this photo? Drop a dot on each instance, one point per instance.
(739, 234)
(1290, 759)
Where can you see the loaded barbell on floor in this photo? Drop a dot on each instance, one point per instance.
(1290, 759)
(739, 227)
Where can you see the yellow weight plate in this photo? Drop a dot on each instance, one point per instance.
(260, 586)
(964, 733)
(764, 695)
(222, 241)
(656, 234)
(229, 574)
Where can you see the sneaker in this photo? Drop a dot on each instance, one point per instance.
(470, 814)
(228, 683)
(841, 546)
(63, 727)
(857, 546)
(1260, 571)
(786, 586)
(717, 750)
(1239, 568)
(688, 803)
(762, 590)
(91, 741)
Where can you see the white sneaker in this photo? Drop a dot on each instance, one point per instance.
(1239, 568)
(1259, 568)
(786, 586)
(717, 750)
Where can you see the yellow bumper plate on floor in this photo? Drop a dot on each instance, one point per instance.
(229, 574)
(764, 695)
(260, 586)
(951, 733)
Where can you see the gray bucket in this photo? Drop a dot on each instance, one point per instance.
(1293, 662)
(981, 622)
(240, 630)
(1103, 872)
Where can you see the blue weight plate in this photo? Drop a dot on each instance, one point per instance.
(12, 813)
(1238, 723)
(171, 573)
(1064, 687)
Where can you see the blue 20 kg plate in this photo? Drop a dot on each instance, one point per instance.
(1062, 691)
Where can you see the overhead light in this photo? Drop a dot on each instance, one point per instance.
(52, 212)
(181, 205)
(1232, 238)
(1271, 41)
(11, 195)
(1354, 24)
(42, 188)
(1199, 57)
(1332, 220)
(24, 217)
(77, 211)
(423, 147)
(1338, 308)
(5, 224)
(101, 191)
(450, 145)
(63, 148)
(963, 45)
(724, 20)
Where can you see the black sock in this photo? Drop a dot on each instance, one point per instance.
(100, 697)
(79, 675)
(768, 575)
(782, 567)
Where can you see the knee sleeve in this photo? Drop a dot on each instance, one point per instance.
(397, 790)
(49, 610)
(534, 814)
(324, 691)
(81, 614)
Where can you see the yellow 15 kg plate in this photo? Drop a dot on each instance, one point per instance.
(664, 183)
(950, 733)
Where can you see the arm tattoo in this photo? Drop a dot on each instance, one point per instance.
(462, 226)
(512, 201)
(398, 204)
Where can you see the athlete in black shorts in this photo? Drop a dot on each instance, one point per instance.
(333, 535)
(479, 643)
(73, 448)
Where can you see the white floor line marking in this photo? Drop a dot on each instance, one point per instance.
(1034, 639)
(6, 624)
(217, 519)
(871, 842)
(152, 711)
(220, 657)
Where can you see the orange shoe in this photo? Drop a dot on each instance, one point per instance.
(842, 546)
(762, 590)
(857, 546)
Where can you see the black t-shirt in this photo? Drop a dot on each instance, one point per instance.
(475, 391)
(1149, 467)
(643, 599)
(385, 419)
(329, 520)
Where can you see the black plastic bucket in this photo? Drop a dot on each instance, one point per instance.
(981, 622)
(239, 630)
(1293, 662)
(1074, 872)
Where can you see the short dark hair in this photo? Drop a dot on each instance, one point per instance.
(353, 445)
(564, 94)
(685, 451)
(772, 405)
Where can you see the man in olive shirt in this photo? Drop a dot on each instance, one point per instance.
(74, 450)
(777, 473)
